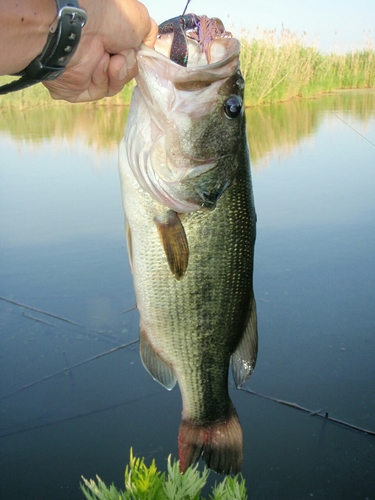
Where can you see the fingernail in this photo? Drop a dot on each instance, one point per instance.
(123, 72)
(106, 63)
(130, 59)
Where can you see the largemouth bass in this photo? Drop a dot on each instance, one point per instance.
(190, 226)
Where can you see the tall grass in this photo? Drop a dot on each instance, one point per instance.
(276, 67)
(281, 67)
(38, 95)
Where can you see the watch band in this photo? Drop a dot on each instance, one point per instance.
(62, 42)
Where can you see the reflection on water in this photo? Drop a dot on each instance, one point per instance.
(275, 131)
(62, 252)
(96, 126)
(272, 129)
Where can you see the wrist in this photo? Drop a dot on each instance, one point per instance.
(63, 39)
(24, 24)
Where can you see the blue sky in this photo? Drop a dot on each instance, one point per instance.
(322, 18)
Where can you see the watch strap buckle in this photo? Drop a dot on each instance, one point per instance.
(62, 42)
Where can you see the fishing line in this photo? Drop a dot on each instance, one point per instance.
(129, 310)
(186, 6)
(294, 82)
(356, 131)
(67, 369)
(80, 415)
(312, 413)
(88, 332)
(41, 311)
(38, 320)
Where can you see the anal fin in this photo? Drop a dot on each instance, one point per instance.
(154, 364)
(173, 238)
(244, 358)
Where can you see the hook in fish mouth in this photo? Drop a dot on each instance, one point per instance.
(200, 28)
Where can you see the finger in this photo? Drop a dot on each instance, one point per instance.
(150, 38)
(72, 87)
(99, 84)
(122, 68)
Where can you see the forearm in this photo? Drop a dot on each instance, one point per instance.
(104, 60)
(24, 28)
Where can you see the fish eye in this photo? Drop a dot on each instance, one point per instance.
(233, 106)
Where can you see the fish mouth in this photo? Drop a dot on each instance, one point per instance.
(157, 67)
(179, 98)
(208, 50)
(191, 40)
(230, 49)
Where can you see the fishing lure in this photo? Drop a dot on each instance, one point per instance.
(178, 26)
(200, 28)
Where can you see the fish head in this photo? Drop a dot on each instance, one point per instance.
(191, 120)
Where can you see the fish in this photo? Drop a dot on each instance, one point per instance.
(190, 226)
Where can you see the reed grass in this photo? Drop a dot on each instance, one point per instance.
(38, 96)
(281, 67)
(276, 67)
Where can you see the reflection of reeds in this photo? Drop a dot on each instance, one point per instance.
(101, 127)
(275, 128)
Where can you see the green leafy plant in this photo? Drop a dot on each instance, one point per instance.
(147, 483)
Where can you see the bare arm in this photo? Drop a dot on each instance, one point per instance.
(104, 61)
(24, 27)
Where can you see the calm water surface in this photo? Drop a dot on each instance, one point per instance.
(65, 289)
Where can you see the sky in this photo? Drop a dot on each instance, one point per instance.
(334, 25)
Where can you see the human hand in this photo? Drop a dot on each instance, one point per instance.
(105, 58)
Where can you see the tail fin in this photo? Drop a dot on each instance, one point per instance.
(220, 444)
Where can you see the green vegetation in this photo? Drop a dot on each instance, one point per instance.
(38, 95)
(147, 483)
(281, 68)
(275, 67)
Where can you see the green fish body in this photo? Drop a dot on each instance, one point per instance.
(190, 226)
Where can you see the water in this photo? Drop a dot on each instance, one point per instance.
(63, 258)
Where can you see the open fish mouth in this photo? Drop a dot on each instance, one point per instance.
(192, 42)
(183, 87)
(203, 30)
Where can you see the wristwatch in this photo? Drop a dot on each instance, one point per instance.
(62, 42)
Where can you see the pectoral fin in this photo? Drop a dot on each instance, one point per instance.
(154, 364)
(244, 358)
(173, 238)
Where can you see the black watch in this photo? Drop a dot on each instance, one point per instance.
(62, 42)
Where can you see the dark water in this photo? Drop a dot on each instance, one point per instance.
(65, 277)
